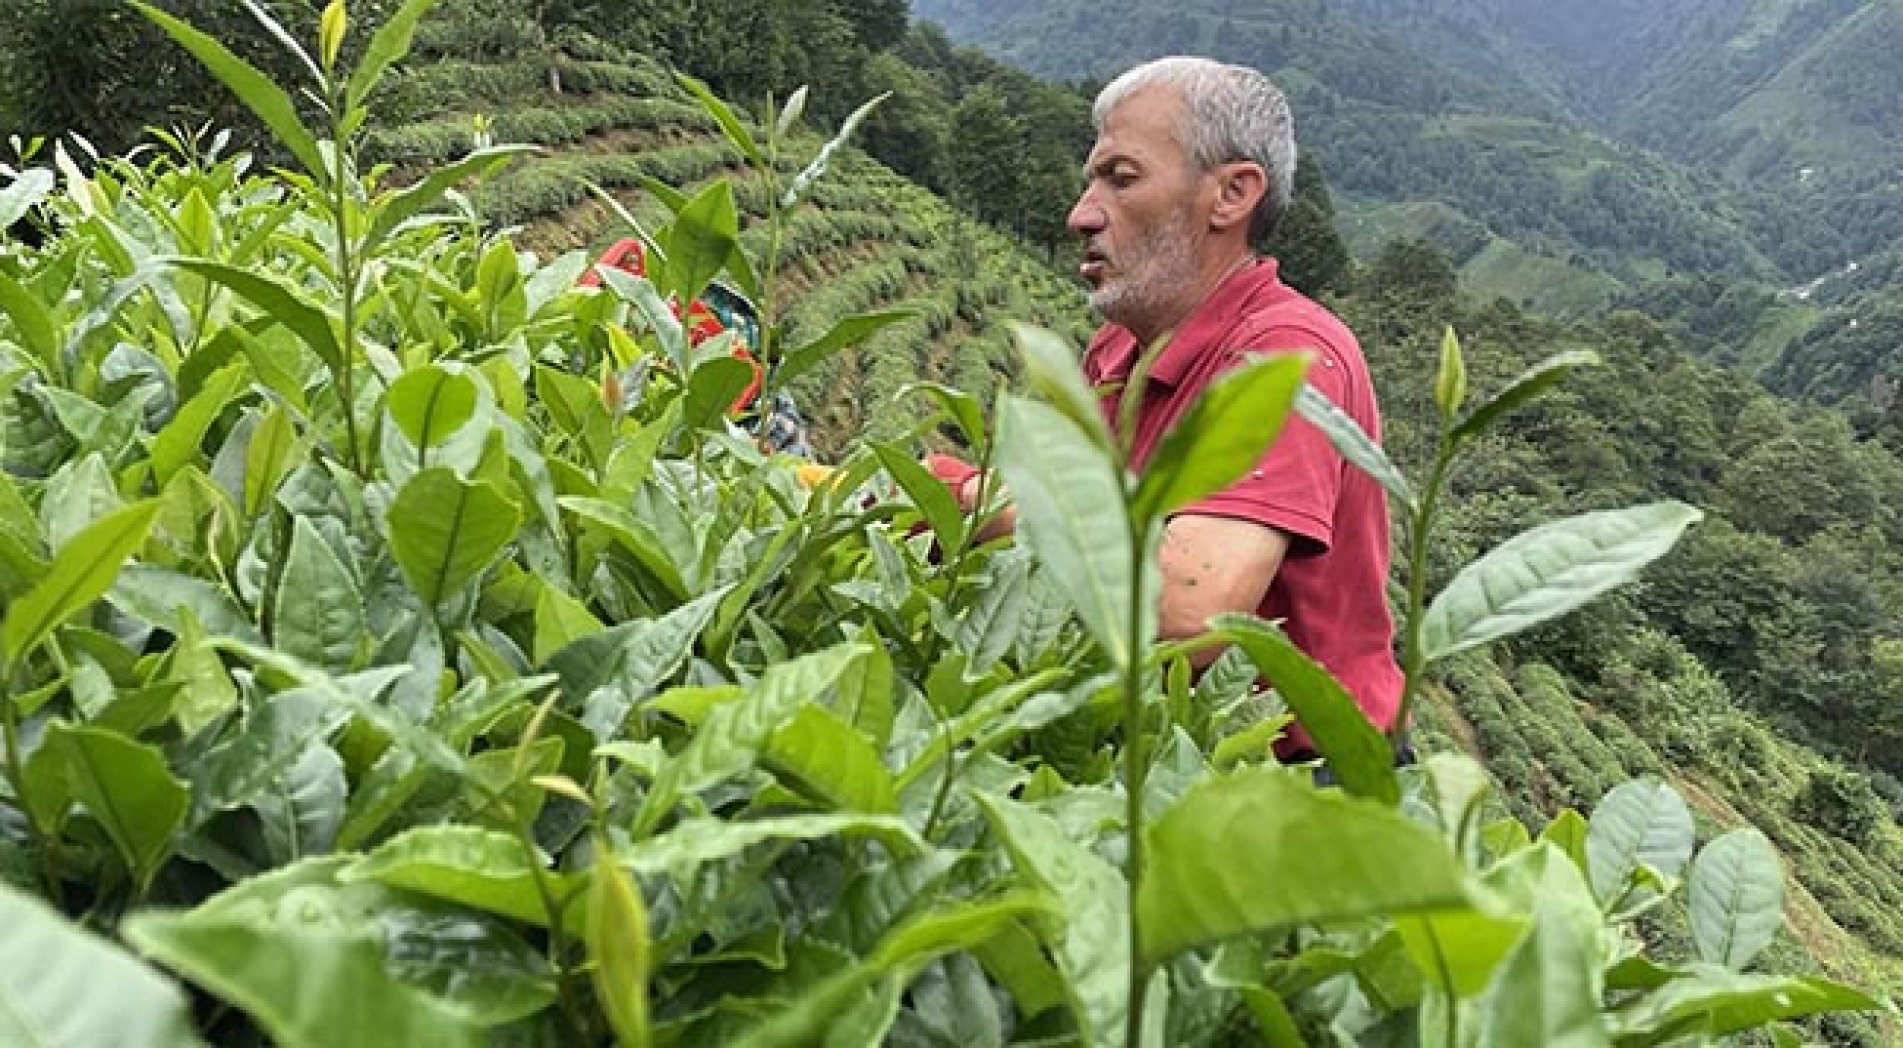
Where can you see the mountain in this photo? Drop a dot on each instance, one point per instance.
(1733, 169)
(1393, 126)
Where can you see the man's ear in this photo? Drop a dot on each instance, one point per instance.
(1240, 185)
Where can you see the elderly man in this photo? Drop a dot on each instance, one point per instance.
(1193, 165)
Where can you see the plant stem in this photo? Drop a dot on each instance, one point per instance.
(1135, 768)
(346, 278)
(16, 779)
(1413, 658)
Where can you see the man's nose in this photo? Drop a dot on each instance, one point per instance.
(1086, 217)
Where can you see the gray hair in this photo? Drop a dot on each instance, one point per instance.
(1233, 113)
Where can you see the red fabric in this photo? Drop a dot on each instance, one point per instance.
(955, 472)
(1331, 590)
(702, 324)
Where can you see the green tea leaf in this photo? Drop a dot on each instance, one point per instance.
(1547, 572)
(816, 168)
(1715, 1001)
(927, 936)
(714, 389)
(1568, 832)
(1539, 997)
(271, 104)
(273, 451)
(320, 615)
(129, 790)
(33, 324)
(1644, 822)
(1736, 896)
(617, 938)
(1459, 950)
(273, 739)
(1360, 756)
(695, 842)
(177, 444)
(846, 332)
(1521, 390)
(1221, 436)
(933, 499)
(1051, 367)
(1354, 444)
(387, 46)
(314, 325)
(471, 866)
(705, 232)
(734, 734)
(431, 402)
(80, 574)
(445, 531)
(1330, 857)
(826, 757)
(1450, 384)
(1070, 514)
(730, 124)
(647, 299)
(309, 983)
(25, 192)
(1093, 947)
(66, 986)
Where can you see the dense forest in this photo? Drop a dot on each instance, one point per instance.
(1759, 667)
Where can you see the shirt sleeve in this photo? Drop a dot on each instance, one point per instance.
(1294, 486)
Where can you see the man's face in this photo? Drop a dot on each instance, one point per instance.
(1142, 213)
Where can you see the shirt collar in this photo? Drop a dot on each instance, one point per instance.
(1212, 319)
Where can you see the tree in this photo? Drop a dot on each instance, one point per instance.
(987, 151)
(1312, 256)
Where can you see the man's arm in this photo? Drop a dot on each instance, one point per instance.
(1211, 565)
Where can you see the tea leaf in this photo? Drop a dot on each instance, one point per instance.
(67, 986)
(1450, 385)
(1360, 756)
(706, 232)
(431, 402)
(618, 943)
(468, 865)
(289, 306)
(1549, 571)
(1735, 893)
(845, 332)
(272, 106)
(24, 193)
(1539, 997)
(445, 531)
(319, 615)
(33, 323)
(308, 983)
(1221, 436)
(1093, 947)
(1640, 822)
(80, 574)
(1354, 444)
(1070, 514)
(1331, 858)
(1537, 380)
(387, 46)
(694, 842)
(1717, 1001)
(129, 790)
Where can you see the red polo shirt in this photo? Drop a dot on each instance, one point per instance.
(1331, 590)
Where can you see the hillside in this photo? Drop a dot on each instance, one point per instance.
(870, 240)
(1391, 126)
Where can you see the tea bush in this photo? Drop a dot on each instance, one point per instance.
(403, 645)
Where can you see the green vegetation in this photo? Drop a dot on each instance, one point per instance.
(919, 844)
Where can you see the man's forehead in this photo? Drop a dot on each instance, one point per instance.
(1139, 127)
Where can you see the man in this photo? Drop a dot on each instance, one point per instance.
(1194, 163)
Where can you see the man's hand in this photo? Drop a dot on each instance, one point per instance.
(967, 485)
(1211, 565)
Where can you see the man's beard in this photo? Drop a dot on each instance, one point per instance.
(1149, 275)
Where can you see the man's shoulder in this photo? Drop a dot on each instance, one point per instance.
(1287, 311)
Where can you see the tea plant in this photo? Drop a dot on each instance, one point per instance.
(402, 647)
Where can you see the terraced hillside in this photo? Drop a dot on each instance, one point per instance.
(866, 240)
